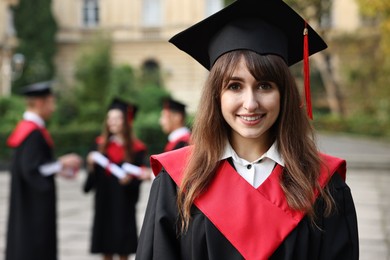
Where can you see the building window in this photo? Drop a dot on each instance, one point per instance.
(10, 28)
(151, 73)
(90, 13)
(151, 13)
(213, 6)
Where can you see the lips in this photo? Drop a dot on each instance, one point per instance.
(251, 118)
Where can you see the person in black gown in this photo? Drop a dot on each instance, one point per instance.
(114, 230)
(32, 221)
(253, 185)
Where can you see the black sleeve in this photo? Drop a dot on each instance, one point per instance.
(180, 145)
(90, 179)
(141, 158)
(328, 237)
(340, 229)
(35, 152)
(158, 238)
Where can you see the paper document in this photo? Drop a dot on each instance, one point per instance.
(101, 160)
(132, 169)
(120, 172)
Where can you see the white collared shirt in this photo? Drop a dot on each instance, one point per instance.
(31, 116)
(48, 168)
(256, 172)
(176, 134)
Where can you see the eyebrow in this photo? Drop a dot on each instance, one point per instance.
(235, 78)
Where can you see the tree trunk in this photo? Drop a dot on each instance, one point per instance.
(331, 84)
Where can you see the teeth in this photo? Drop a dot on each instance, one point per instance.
(250, 118)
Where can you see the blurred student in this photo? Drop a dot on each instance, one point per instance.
(32, 217)
(172, 122)
(114, 230)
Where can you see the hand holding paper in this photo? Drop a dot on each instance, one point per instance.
(132, 169)
(120, 172)
(105, 163)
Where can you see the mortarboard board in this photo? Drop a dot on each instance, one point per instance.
(174, 105)
(38, 89)
(262, 26)
(128, 109)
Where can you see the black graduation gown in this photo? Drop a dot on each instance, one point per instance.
(114, 229)
(335, 237)
(32, 214)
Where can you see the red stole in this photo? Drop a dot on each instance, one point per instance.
(255, 221)
(138, 145)
(23, 130)
(171, 145)
(116, 153)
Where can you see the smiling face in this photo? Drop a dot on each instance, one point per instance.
(115, 121)
(250, 106)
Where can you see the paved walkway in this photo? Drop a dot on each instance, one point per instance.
(368, 176)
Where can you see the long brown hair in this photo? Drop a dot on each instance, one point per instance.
(127, 138)
(292, 131)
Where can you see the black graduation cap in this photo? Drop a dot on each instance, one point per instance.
(174, 105)
(127, 108)
(263, 26)
(38, 89)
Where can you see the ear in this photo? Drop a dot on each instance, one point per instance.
(177, 117)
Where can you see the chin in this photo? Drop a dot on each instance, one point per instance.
(113, 131)
(252, 135)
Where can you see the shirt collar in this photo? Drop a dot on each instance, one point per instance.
(272, 154)
(34, 117)
(178, 133)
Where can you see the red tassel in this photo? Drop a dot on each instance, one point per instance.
(130, 114)
(306, 71)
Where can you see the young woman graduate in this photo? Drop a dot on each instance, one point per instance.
(114, 225)
(252, 185)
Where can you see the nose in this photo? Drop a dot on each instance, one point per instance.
(250, 102)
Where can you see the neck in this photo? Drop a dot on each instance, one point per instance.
(117, 138)
(251, 149)
(33, 110)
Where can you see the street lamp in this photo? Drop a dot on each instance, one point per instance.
(11, 69)
(17, 65)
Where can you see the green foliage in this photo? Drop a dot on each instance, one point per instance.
(148, 130)
(365, 78)
(363, 125)
(74, 140)
(93, 70)
(374, 7)
(11, 110)
(378, 79)
(228, 2)
(311, 10)
(36, 30)
(98, 81)
(150, 98)
(123, 83)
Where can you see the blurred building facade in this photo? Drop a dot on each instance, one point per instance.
(7, 44)
(140, 30)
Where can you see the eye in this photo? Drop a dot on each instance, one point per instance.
(265, 85)
(233, 86)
